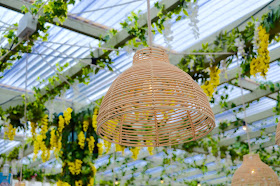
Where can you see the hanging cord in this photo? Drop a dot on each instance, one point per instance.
(25, 111)
(114, 157)
(149, 24)
(171, 163)
(244, 109)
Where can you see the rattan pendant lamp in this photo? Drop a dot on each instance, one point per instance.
(254, 172)
(154, 103)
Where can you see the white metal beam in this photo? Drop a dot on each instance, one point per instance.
(73, 23)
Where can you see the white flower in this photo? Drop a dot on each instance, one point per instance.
(192, 9)
(240, 44)
(191, 64)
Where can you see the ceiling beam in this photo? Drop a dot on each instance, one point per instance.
(74, 23)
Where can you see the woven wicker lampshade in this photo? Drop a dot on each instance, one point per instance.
(154, 103)
(277, 137)
(254, 172)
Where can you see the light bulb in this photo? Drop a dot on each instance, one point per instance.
(244, 128)
(253, 171)
(116, 182)
(161, 181)
(198, 184)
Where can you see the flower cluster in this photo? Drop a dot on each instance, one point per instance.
(94, 119)
(44, 126)
(91, 141)
(135, 151)
(40, 145)
(100, 148)
(10, 132)
(79, 183)
(240, 44)
(61, 183)
(91, 181)
(210, 85)
(75, 167)
(107, 145)
(67, 115)
(33, 129)
(55, 142)
(120, 148)
(261, 63)
(60, 123)
(192, 9)
(81, 139)
(85, 125)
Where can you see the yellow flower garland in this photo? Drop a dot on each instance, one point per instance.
(75, 167)
(33, 129)
(67, 115)
(120, 148)
(85, 125)
(91, 141)
(60, 123)
(107, 145)
(79, 183)
(100, 148)
(94, 119)
(53, 139)
(10, 133)
(81, 139)
(135, 151)
(61, 183)
(210, 85)
(91, 181)
(261, 63)
(44, 126)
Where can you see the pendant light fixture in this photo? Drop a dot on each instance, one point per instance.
(277, 137)
(154, 103)
(254, 172)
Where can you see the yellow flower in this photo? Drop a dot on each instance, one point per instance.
(91, 181)
(93, 170)
(210, 85)
(261, 63)
(79, 183)
(11, 132)
(60, 123)
(53, 139)
(37, 145)
(100, 148)
(81, 139)
(91, 141)
(78, 164)
(72, 167)
(61, 183)
(33, 129)
(135, 151)
(94, 119)
(75, 167)
(44, 126)
(67, 115)
(107, 145)
(85, 125)
(120, 148)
